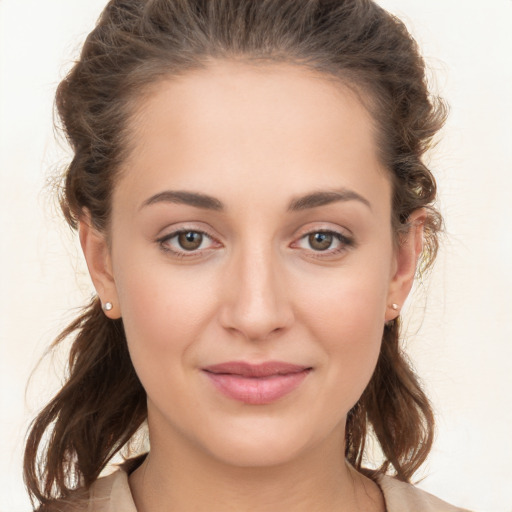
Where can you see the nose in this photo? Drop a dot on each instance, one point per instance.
(256, 300)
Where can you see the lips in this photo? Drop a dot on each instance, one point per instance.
(256, 384)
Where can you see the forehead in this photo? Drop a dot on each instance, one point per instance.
(233, 126)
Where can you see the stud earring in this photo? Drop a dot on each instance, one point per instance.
(108, 306)
(394, 306)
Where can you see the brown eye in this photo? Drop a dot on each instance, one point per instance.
(320, 241)
(190, 240)
(188, 243)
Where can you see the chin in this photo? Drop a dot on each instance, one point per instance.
(266, 441)
(258, 453)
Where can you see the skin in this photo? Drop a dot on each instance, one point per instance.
(257, 289)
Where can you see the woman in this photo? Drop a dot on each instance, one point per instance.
(252, 205)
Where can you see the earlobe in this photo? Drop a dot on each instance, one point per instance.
(408, 253)
(97, 256)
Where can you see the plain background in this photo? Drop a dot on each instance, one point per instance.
(461, 346)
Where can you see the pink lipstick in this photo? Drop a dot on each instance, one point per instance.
(256, 384)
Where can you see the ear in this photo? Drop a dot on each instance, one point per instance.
(99, 262)
(406, 259)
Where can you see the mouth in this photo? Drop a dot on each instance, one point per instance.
(256, 384)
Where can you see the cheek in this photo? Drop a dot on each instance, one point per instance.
(346, 305)
(346, 316)
(163, 310)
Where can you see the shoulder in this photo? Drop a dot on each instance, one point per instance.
(111, 494)
(404, 497)
(107, 494)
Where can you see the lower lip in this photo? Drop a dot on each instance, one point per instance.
(257, 390)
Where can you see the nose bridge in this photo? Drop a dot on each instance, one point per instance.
(258, 304)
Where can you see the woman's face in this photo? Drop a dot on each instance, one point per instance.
(252, 260)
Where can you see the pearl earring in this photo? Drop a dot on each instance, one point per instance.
(108, 306)
(394, 306)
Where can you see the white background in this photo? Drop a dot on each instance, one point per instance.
(463, 350)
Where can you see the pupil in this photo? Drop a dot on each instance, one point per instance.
(320, 241)
(190, 240)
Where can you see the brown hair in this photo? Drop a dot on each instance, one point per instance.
(139, 42)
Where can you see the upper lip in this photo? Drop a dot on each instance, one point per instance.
(265, 369)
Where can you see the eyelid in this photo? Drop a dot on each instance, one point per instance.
(343, 235)
(323, 227)
(186, 228)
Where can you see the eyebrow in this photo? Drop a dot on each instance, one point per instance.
(206, 202)
(189, 198)
(323, 198)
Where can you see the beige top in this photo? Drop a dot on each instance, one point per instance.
(112, 494)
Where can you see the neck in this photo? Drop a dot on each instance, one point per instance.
(180, 480)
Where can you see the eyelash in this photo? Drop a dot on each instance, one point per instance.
(162, 241)
(345, 243)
